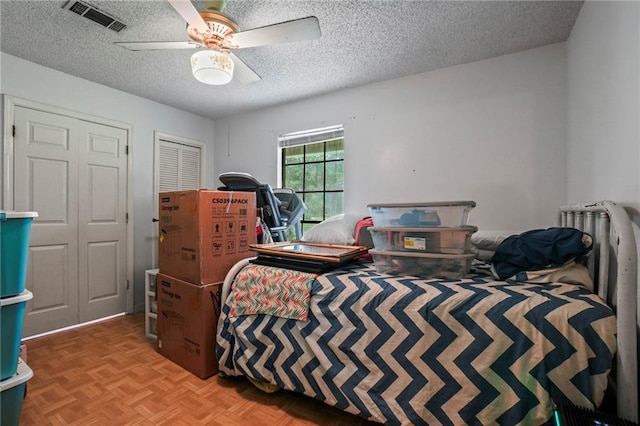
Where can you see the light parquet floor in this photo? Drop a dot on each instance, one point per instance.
(109, 373)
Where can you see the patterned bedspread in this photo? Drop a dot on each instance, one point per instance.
(401, 350)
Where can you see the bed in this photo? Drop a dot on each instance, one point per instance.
(408, 350)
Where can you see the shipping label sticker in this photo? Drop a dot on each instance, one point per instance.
(415, 243)
(188, 254)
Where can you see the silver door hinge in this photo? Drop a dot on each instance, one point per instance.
(126, 150)
(13, 131)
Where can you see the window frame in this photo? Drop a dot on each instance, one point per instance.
(304, 139)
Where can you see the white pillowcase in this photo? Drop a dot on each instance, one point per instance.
(339, 229)
(489, 240)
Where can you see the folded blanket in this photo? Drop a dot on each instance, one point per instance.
(569, 273)
(280, 292)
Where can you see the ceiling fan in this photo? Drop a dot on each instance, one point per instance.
(215, 34)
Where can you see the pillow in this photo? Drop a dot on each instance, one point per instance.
(339, 229)
(489, 240)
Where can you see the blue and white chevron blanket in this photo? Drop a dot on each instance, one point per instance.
(401, 350)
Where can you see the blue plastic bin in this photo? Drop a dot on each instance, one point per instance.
(12, 392)
(14, 251)
(11, 318)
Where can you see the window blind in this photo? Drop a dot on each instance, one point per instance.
(311, 136)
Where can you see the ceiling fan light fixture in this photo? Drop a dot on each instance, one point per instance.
(212, 67)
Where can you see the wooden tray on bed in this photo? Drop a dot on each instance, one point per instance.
(333, 253)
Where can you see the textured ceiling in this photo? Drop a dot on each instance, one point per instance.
(362, 42)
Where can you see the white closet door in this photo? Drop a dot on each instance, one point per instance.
(189, 168)
(179, 167)
(74, 174)
(46, 181)
(102, 221)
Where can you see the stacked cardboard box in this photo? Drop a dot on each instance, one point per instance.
(202, 235)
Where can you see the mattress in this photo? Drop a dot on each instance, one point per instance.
(403, 350)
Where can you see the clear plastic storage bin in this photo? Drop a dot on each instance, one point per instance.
(424, 265)
(418, 215)
(12, 392)
(423, 240)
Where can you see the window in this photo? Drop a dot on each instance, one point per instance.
(313, 166)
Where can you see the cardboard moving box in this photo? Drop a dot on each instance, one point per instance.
(187, 322)
(204, 233)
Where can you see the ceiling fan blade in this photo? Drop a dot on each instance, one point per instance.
(190, 14)
(157, 45)
(242, 72)
(284, 32)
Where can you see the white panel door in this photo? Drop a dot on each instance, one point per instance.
(74, 174)
(46, 181)
(102, 221)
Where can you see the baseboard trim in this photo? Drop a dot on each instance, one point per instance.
(71, 327)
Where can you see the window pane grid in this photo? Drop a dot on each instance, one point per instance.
(315, 171)
(296, 163)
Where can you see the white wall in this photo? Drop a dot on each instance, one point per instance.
(491, 131)
(36, 83)
(603, 92)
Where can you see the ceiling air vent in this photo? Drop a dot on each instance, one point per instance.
(95, 14)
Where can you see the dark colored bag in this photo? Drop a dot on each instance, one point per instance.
(539, 249)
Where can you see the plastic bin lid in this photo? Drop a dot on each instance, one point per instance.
(464, 256)
(425, 229)
(4, 215)
(427, 204)
(22, 297)
(23, 374)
